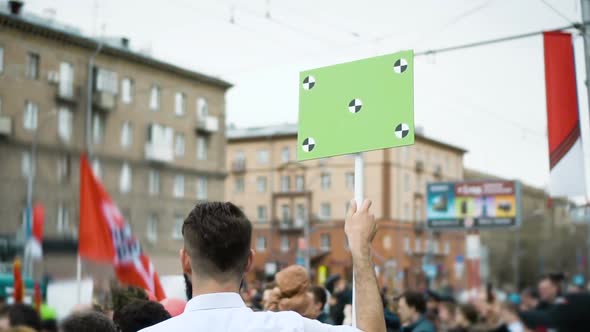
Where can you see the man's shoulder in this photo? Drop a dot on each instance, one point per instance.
(424, 326)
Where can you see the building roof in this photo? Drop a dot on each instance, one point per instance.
(51, 29)
(290, 130)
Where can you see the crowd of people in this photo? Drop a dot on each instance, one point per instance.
(217, 253)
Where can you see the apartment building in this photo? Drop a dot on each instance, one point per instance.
(281, 196)
(156, 130)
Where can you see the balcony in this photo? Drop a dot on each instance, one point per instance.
(419, 166)
(207, 125)
(68, 94)
(238, 166)
(103, 100)
(5, 125)
(158, 153)
(290, 225)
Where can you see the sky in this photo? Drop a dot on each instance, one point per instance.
(489, 100)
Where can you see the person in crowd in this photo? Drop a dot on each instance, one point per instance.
(392, 321)
(139, 314)
(4, 319)
(466, 318)
(217, 253)
(123, 295)
(319, 298)
(266, 293)
(341, 297)
(88, 321)
(446, 316)
(432, 302)
(510, 318)
(49, 325)
(529, 299)
(412, 311)
(549, 290)
(24, 315)
(291, 292)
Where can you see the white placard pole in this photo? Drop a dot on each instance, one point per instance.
(359, 191)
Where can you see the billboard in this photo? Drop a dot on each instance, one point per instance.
(473, 205)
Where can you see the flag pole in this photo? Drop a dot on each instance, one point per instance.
(359, 191)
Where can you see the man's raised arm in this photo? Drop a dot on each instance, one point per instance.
(360, 227)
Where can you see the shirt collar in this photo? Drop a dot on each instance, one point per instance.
(215, 301)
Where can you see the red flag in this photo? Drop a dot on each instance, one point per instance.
(35, 244)
(37, 297)
(565, 147)
(106, 237)
(19, 291)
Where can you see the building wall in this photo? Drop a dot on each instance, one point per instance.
(137, 205)
(385, 184)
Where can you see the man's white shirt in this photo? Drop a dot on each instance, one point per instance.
(220, 312)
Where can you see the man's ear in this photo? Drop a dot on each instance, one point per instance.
(250, 261)
(185, 260)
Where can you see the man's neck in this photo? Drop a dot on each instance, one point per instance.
(202, 286)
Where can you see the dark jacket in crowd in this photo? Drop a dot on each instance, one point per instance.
(325, 318)
(392, 321)
(421, 325)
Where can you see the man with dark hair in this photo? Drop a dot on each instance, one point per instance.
(88, 321)
(319, 298)
(24, 315)
(139, 314)
(412, 309)
(123, 295)
(217, 253)
(549, 291)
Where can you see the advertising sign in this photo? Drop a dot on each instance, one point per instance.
(473, 205)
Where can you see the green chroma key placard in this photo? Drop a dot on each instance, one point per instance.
(356, 106)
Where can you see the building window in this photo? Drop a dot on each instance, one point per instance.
(153, 182)
(66, 80)
(447, 247)
(325, 211)
(239, 184)
(300, 183)
(127, 90)
(126, 135)
(406, 211)
(261, 184)
(202, 108)
(202, 184)
(406, 182)
(65, 119)
(262, 157)
(179, 103)
(286, 155)
(326, 181)
(262, 213)
(96, 168)
(1, 60)
(418, 212)
(63, 168)
(32, 71)
(155, 98)
(300, 213)
(106, 81)
(179, 145)
(63, 219)
(178, 186)
(261, 243)
(97, 128)
(177, 229)
(418, 245)
(201, 148)
(350, 181)
(152, 228)
(285, 243)
(125, 178)
(325, 242)
(435, 246)
(31, 114)
(406, 244)
(285, 213)
(26, 163)
(285, 183)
